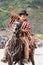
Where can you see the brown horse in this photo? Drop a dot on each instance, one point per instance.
(16, 53)
(16, 50)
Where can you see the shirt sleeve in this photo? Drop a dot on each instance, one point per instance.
(28, 27)
(13, 18)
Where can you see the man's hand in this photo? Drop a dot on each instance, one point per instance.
(11, 9)
(25, 31)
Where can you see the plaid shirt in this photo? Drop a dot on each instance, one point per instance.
(26, 26)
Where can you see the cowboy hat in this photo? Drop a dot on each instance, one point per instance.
(23, 12)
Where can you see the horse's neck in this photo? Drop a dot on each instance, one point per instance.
(13, 40)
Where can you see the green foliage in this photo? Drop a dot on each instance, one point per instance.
(38, 2)
(39, 36)
(33, 8)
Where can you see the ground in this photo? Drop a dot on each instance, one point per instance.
(38, 57)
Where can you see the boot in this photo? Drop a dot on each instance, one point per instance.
(25, 61)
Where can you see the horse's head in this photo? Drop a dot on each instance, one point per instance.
(16, 26)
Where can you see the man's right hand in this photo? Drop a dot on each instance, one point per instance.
(11, 9)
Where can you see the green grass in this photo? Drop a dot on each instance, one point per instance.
(39, 36)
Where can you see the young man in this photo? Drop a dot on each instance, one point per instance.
(26, 31)
(22, 17)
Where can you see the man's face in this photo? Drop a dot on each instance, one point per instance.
(23, 17)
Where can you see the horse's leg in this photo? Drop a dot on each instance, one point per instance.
(9, 60)
(20, 62)
(32, 58)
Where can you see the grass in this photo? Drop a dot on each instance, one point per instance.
(40, 36)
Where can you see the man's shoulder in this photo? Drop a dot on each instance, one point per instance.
(27, 21)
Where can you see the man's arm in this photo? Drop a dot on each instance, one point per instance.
(11, 8)
(14, 16)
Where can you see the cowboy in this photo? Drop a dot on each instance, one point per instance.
(26, 32)
(22, 17)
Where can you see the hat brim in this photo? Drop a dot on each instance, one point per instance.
(23, 13)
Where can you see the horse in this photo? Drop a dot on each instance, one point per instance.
(16, 49)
